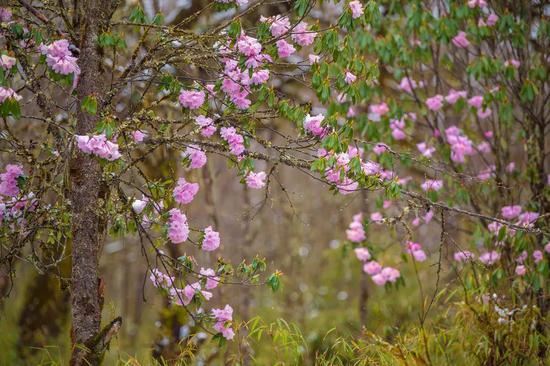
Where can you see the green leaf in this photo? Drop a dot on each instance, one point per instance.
(10, 107)
(274, 281)
(89, 104)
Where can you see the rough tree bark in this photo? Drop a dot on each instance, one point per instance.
(87, 189)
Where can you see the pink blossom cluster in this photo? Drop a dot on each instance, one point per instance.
(408, 85)
(233, 139)
(356, 233)
(223, 318)
(8, 180)
(98, 145)
(206, 124)
(60, 58)
(313, 125)
(463, 255)
(255, 180)
(356, 9)
(461, 40)
(489, 258)
(432, 185)
(191, 99)
(6, 93)
(461, 146)
(380, 276)
(211, 240)
(197, 157)
(7, 62)
(184, 192)
(138, 136)
(178, 229)
(415, 249)
(209, 275)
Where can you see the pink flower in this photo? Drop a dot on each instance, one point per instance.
(196, 156)
(312, 124)
(425, 150)
(391, 274)
(455, 95)
(98, 145)
(432, 185)
(60, 58)
(407, 85)
(547, 247)
(302, 36)
(233, 139)
(211, 240)
(460, 145)
(350, 78)
(537, 256)
(184, 192)
(191, 99)
(476, 101)
(8, 180)
(463, 256)
(160, 279)
(510, 212)
(259, 77)
(178, 230)
(484, 147)
(379, 148)
(313, 59)
(372, 268)
(528, 217)
(249, 46)
(379, 279)
(256, 180)
(362, 254)
(460, 40)
(521, 270)
(138, 136)
(279, 26)
(479, 3)
(206, 124)
(376, 217)
(284, 49)
(489, 258)
(355, 233)
(435, 103)
(356, 9)
(211, 279)
(222, 318)
(513, 63)
(6, 93)
(379, 109)
(492, 19)
(511, 167)
(7, 62)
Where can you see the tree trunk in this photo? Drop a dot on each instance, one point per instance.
(87, 191)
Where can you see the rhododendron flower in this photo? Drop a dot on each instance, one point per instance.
(415, 249)
(379, 148)
(8, 180)
(60, 58)
(455, 95)
(476, 101)
(513, 63)
(391, 274)
(425, 150)
(356, 9)
(372, 268)
(522, 257)
(432, 185)
(435, 103)
(510, 212)
(537, 256)
(376, 217)
(313, 59)
(370, 168)
(479, 3)
(139, 205)
(222, 318)
(184, 192)
(138, 136)
(484, 147)
(347, 186)
(350, 78)
(211, 240)
(407, 85)
(521, 270)
(233, 139)
(284, 49)
(206, 124)
(211, 279)
(463, 256)
(279, 26)
(256, 180)
(460, 145)
(196, 156)
(547, 247)
(428, 216)
(248, 46)
(362, 254)
(259, 77)
(379, 279)
(7, 62)
(6, 93)
(302, 36)
(161, 279)
(379, 109)
(489, 258)
(492, 19)
(527, 218)
(178, 230)
(98, 145)
(312, 124)
(460, 40)
(5, 15)
(355, 233)
(191, 99)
